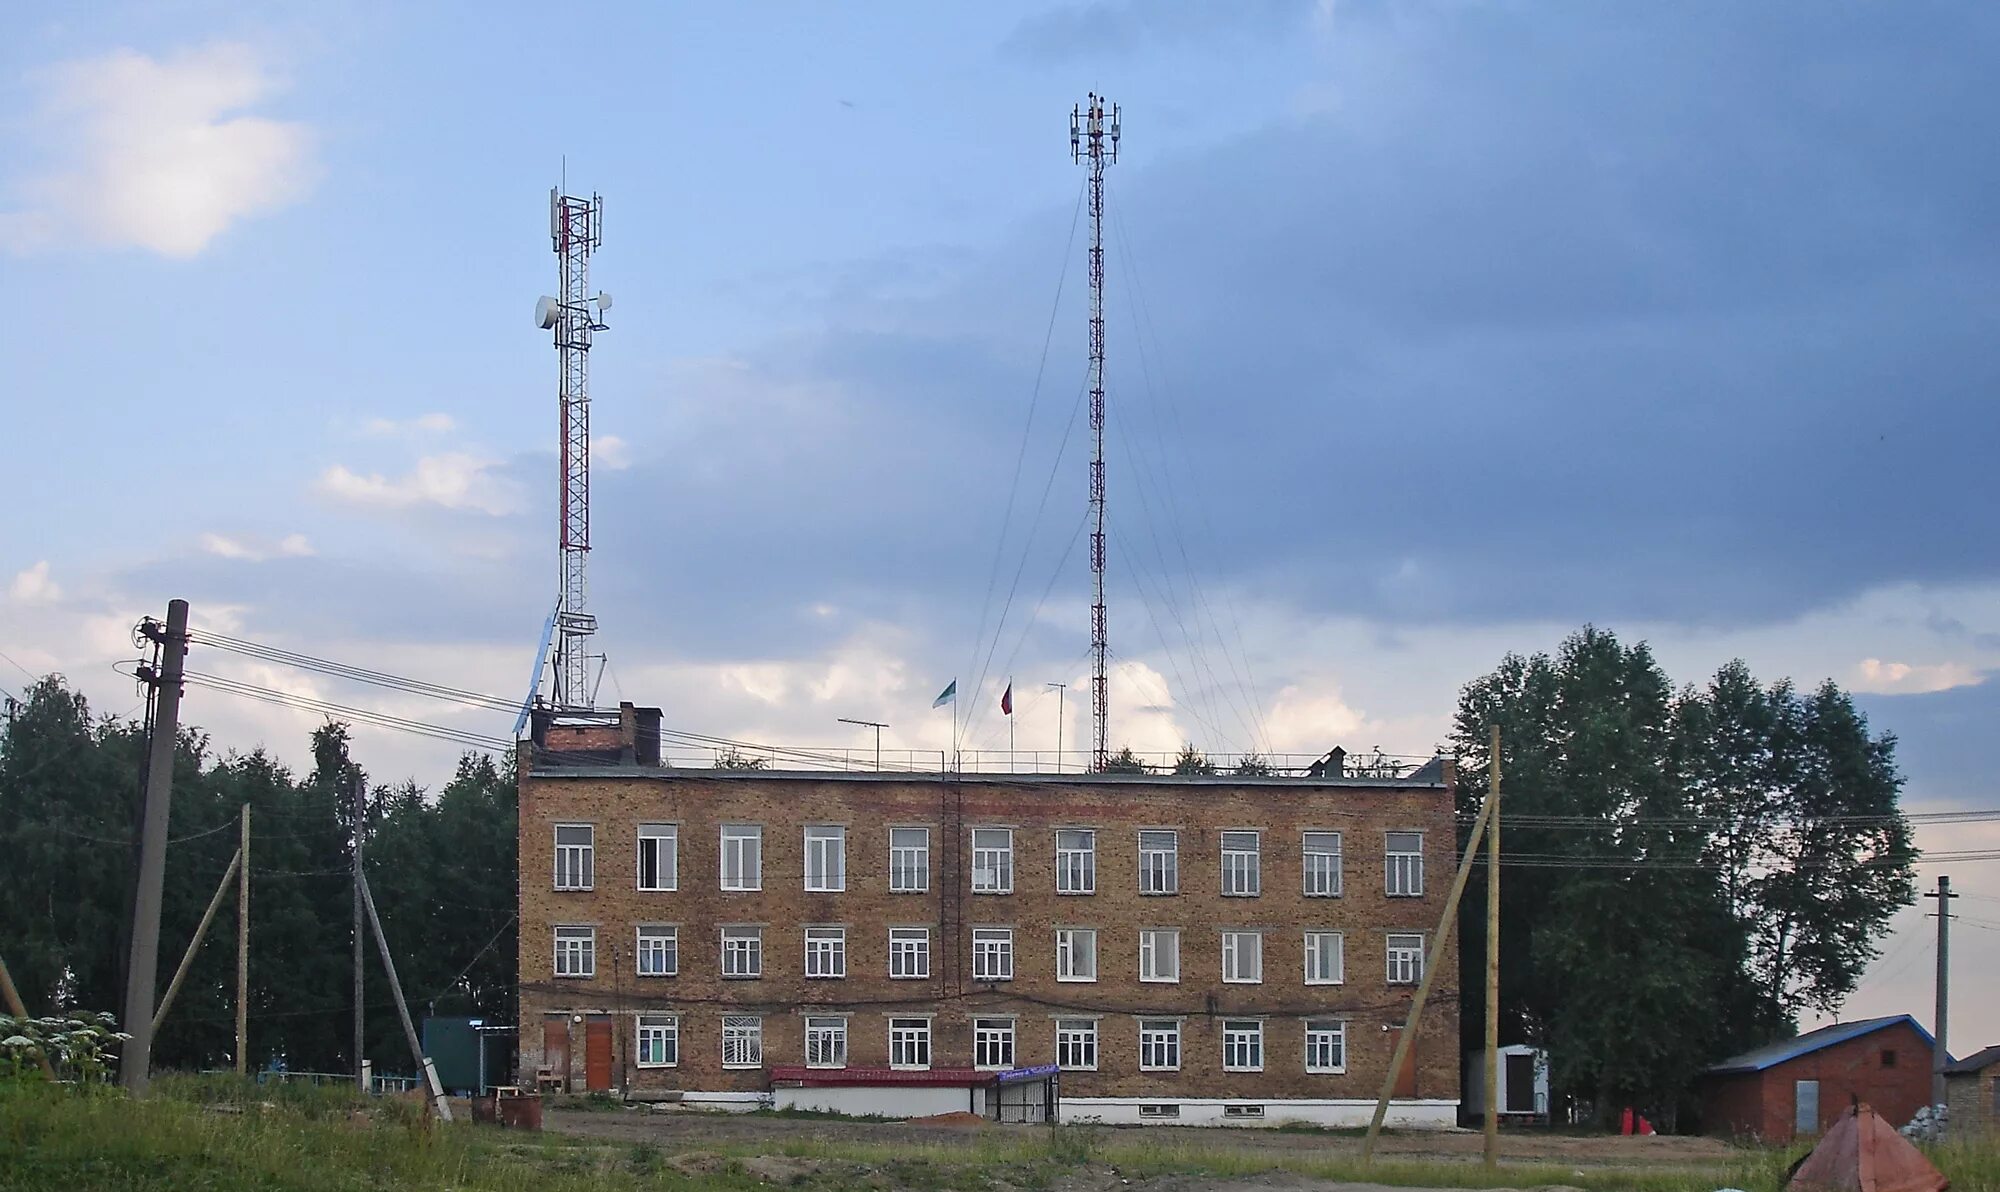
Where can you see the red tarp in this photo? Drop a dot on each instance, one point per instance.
(1863, 1153)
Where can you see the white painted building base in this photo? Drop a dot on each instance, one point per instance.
(1125, 1111)
(731, 1102)
(882, 1101)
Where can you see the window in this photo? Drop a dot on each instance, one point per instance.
(1888, 1057)
(659, 952)
(659, 856)
(909, 952)
(826, 951)
(909, 1042)
(1326, 1045)
(1076, 861)
(576, 866)
(1160, 954)
(576, 951)
(1325, 964)
(1241, 875)
(993, 1043)
(1159, 862)
(992, 860)
(909, 860)
(1406, 959)
(826, 859)
(993, 954)
(1243, 1111)
(659, 1041)
(743, 951)
(1076, 1044)
(742, 1041)
(1322, 864)
(742, 857)
(1166, 1109)
(1159, 1044)
(1242, 957)
(826, 1042)
(1242, 1045)
(1076, 954)
(1405, 864)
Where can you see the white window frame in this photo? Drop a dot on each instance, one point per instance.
(906, 1032)
(1076, 1044)
(1159, 868)
(742, 953)
(1323, 1034)
(663, 941)
(826, 1041)
(1405, 956)
(1243, 957)
(663, 1030)
(1076, 860)
(742, 855)
(1242, 869)
(826, 953)
(746, 1033)
(575, 864)
(906, 859)
(1076, 952)
(826, 858)
(999, 858)
(578, 961)
(909, 953)
(993, 954)
(667, 876)
(1157, 1036)
(1240, 1036)
(993, 1044)
(1322, 866)
(1402, 870)
(1316, 949)
(1151, 955)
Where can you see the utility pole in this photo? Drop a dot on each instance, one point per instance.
(1492, 1155)
(360, 1007)
(877, 726)
(143, 961)
(426, 1069)
(243, 948)
(1940, 1054)
(1093, 137)
(1062, 689)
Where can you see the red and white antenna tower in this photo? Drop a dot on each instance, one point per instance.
(576, 227)
(1093, 137)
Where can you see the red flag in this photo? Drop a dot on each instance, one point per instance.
(1007, 699)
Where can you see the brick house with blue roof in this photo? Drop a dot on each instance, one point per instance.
(1798, 1087)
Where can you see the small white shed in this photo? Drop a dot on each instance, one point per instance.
(1524, 1083)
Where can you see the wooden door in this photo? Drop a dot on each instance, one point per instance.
(555, 1047)
(597, 1054)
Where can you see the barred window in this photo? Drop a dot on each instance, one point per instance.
(1241, 869)
(1322, 864)
(742, 1041)
(826, 1042)
(993, 954)
(1159, 862)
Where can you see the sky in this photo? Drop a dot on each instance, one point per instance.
(1434, 331)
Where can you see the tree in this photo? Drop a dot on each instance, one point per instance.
(1191, 761)
(1125, 762)
(1252, 765)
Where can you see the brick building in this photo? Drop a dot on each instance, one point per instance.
(1799, 1087)
(1184, 948)
(1972, 1090)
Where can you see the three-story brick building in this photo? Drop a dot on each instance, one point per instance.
(1184, 948)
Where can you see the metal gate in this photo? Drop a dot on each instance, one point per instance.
(1026, 1095)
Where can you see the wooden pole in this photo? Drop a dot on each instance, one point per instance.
(1492, 1155)
(424, 1067)
(1443, 936)
(194, 945)
(243, 950)
(18, 1010)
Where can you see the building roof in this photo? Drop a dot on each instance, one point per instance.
(626, 770)
(1978, 1061)
(1772, 1054)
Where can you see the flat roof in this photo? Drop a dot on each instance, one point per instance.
(636, 772)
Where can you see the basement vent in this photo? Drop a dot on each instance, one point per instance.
(1243, 1111)
(1159, 1111)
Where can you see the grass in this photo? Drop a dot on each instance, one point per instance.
(223, 1135)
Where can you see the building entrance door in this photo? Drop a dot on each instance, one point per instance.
(555, 1048)
(1805, 1116)
(1406, 1079)
(597, 1054)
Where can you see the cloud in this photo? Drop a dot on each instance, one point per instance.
(610, 452)
(421, 424)
(158, 153)
(255, 551)
(34, 586)
(1901, 678)
(455, 480)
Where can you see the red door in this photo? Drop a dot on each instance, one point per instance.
(597, 1054)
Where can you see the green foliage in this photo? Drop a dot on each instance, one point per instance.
(1075, 1144)
(77, 1047)
(1191, 761)
(1252, 765)
(729, 759)
(1125, 762)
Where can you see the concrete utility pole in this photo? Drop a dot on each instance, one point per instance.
(1492, 1155)
(243, 949)
(1940, 1054)
(426, 1068)
(360, 1016)
(143, 961)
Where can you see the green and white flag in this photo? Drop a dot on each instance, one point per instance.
(948, 696)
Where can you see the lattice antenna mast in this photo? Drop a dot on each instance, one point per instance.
(576, 228)
(1093, 138)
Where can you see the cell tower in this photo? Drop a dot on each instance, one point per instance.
(1093, 137)
(576, 227)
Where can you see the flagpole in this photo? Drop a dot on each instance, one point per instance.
(1010, 724)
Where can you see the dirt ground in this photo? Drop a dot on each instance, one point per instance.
(692, 1131)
